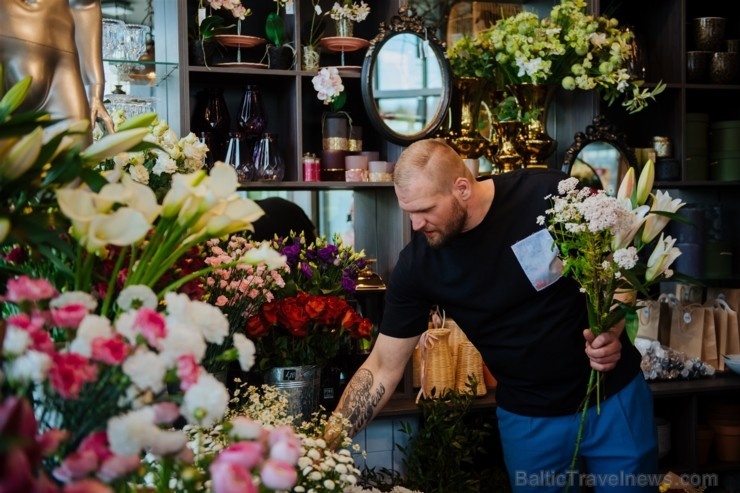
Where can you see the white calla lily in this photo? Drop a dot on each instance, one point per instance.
(222, 180)
(183, 187)
(78, 204)
(236, 215)
(124, 227)
(142, 198)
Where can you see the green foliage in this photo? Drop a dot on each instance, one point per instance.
(442, 455)
(472, 57)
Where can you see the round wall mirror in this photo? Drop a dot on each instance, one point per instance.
(406, 80)
(599, 157)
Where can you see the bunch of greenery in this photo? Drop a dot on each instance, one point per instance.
(473, 56)
(444, 454)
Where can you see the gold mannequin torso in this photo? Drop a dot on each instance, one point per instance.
(57, 43)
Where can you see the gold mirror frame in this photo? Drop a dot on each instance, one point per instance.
(406, 22)
(606, 140)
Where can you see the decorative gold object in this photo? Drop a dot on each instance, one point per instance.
(535, 144)
(507, 158)
(462, 131)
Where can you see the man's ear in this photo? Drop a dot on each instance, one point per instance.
(462, 188)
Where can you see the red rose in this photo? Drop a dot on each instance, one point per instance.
(270, 312)
(293, 317)
(316, 307)
(256, 327)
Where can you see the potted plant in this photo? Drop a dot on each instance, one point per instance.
(280, 53)
(210, 24)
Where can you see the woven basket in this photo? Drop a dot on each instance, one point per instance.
(456, 337)
(416, 367)
(469, 362)
(438, 372)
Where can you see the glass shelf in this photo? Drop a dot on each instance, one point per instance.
(150, 73)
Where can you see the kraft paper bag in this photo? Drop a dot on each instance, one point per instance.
(648, 316)
(730, 295)
(728, 333)
(709, 353)
(687, 329)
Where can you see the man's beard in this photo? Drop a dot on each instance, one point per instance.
(458, 218)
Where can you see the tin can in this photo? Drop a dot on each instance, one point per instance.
(311, 167)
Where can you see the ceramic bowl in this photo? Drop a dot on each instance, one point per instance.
(709, 33)
(732, 361)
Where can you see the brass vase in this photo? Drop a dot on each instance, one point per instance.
(507, 157)
(535, 144)
(491, 100)
(462, 132)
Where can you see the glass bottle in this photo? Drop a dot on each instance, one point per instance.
(266, 159)
(238, 158)
(211, 121)
(252, 121)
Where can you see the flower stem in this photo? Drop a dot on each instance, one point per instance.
(593, 384)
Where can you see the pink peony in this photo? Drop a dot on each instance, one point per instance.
(245, 454)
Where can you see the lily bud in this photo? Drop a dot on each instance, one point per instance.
(645, 183)
(112, 144)
(141, 121)
(628, 185)
(4, 228)
(15, 95)
(23, 155)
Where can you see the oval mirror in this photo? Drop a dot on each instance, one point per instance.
(599, 157)
(406, 80)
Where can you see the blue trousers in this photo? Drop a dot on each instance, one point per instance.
(618, 452)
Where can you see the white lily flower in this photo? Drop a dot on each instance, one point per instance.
(662, 257)
(112, 144)
(655, 223)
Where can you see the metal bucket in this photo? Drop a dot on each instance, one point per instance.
(301, 385)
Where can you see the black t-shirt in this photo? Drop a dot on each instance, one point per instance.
(281, 217)
(531, 340)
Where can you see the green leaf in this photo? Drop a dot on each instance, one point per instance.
(275, 29)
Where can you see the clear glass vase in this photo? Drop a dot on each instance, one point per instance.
(251, 121)
(267, 161)
(238, 158)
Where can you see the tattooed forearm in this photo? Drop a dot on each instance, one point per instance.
(361, 401)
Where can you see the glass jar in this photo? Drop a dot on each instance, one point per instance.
(239, 159)
(252, 121)
(266, 159)
(211, 121)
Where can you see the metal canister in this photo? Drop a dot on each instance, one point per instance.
(311, 167)
(663, 146)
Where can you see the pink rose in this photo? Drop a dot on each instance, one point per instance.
(284, 444)
(187, 371)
